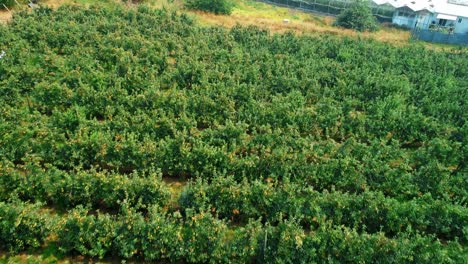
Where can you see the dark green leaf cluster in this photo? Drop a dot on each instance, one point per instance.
(357, 16)
(213, 6)
(7, 3)
(22, 226)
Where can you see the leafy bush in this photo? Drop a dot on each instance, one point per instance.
(87, 234)
(357, 16)
(213, 6)
(7, 3)
(22, 226)
(136, 1)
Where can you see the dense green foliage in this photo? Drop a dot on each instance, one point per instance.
(214, 6)
(7, 3)
(22, 226)
(357, 16)
(66, 190)
(201, 238)
(371, 212)
(297, 149)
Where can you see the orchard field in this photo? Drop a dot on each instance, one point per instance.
(286, 149)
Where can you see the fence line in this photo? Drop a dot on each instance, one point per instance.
(435, 36)
(328, 7)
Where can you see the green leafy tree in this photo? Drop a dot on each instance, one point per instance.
(213, 6)
(7, 3)
(357, 16)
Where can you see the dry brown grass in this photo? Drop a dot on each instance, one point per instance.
(276, 25)
(56, 3)
(5, 16)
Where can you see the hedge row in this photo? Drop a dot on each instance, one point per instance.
(369, 211)
(201, 238)
(96, 189)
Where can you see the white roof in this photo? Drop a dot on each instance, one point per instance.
(447, 7)
(447, 17)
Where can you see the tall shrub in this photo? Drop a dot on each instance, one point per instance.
(7, 3)
(357, 16)
(22, 226)
(213, 6)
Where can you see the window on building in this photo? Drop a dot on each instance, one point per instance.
(406, 13)
(442, 22)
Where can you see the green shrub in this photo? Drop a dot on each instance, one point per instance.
(22, 226)
(87, 234)
(213, 6)
(357, 16)
(7, 3)
(283, 243)
(162, 238)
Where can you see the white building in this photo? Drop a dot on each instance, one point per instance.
(451, 15)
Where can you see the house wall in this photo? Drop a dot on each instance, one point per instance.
(404, 17)
(424, 19)
(461, 27)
